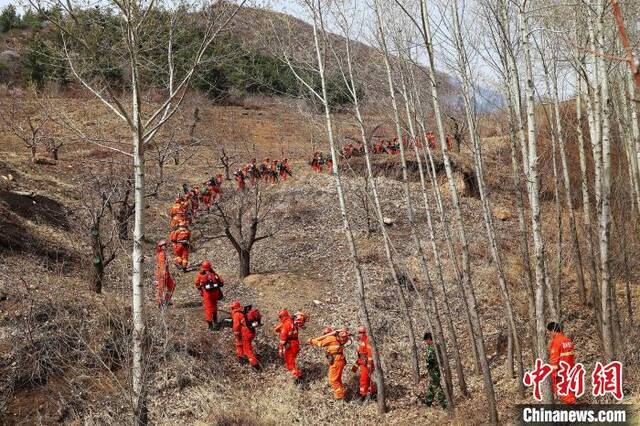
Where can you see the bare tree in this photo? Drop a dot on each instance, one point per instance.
(98, 194)
(241, 215)
(531, 165)
(226, 163)
(33, 129)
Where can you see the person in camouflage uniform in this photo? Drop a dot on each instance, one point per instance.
(435, 389)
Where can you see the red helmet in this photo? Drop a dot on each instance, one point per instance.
(362, 330)
(206, 265)
(284, 314)
(327, 330)
(236, 304)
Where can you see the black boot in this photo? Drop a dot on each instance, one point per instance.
(257, 367)
(210, 323)
(243, 360)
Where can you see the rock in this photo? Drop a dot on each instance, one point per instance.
(501, 213)
(388, 221)
(317, 302)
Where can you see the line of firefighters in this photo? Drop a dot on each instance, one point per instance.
(268, 171)
(382, 146)
(245, 319)
(183, 212)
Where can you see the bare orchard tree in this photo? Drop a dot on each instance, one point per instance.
(240, 216)
(226, 163)
(34, 129)
(99, 194)
(138, 35)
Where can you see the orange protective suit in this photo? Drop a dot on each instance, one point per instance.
(180, 239)
(210, 297)
(177, 208)
(289, 345)
(365, 362)
(561, 349)
(164, 283)
(177, 219)
(335, 355)
(244, 336)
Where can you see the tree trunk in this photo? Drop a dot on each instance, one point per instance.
(538, 243)
(635, 129)
(137, 278)
(443, 361)
(553, 291)
(594, 287)
(244, 257)
(514, 105)
(575, 243)
(97, 260)
(436, 254)
(608, 288)
(405, 183)
(465, 276)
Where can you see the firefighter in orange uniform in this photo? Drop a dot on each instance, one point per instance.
(245, 321)
(164, 283)
(289, 345)
(560, 349)
(210, 284)
(366, 365)
(333, 343)
(180, 238)
(177, 207)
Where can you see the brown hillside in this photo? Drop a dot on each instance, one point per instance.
(64, 354)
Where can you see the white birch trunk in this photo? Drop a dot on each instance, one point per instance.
(575, 244)
(536, 228)
(605, 210)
